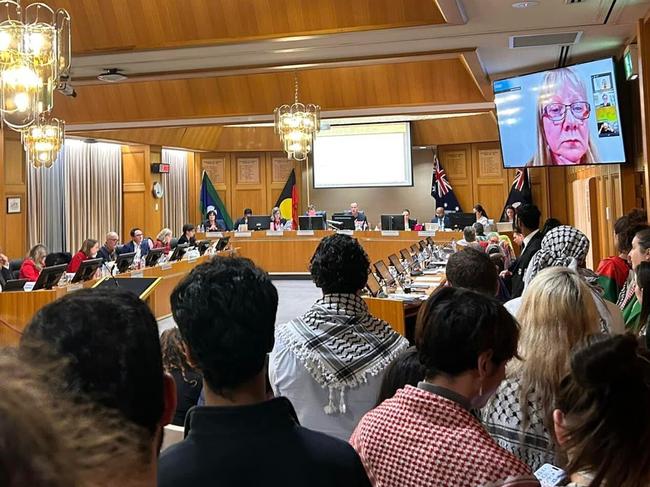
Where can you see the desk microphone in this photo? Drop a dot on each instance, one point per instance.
(110, 273)
(334, 222)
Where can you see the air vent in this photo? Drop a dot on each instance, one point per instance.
(569, 2)
(553, 39)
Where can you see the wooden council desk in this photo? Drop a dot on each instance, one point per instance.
(290, 253)
(18, 308)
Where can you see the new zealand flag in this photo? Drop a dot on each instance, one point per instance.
(441, 190)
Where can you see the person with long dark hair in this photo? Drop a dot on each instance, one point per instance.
(628, 300)
(405, 370)
(601, 416)
(481, 214)
(642, 294)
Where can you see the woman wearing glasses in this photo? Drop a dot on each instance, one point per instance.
(563, 122)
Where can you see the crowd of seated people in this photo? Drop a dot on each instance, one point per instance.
(490, 394)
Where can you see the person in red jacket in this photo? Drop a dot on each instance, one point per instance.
(88, 250)
(31, 267)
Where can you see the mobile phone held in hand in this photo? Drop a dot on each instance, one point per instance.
(550, 475)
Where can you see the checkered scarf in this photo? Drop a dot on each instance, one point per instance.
(340, 344)
(563, 246)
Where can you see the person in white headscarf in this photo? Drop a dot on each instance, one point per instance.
(566, 246)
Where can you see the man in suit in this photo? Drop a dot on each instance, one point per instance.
(527, 221)
(138, 244)
(441, 219)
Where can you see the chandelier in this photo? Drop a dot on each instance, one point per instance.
(43, 141)
(296, 125)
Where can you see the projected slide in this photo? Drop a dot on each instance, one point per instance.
(363, 155)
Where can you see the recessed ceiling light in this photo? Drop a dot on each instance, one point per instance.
(529, 3)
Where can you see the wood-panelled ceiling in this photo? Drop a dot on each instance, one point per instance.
(131, 25)
(442, 131)
(432, 82)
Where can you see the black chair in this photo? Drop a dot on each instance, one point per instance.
(14, 267)
(58, 258)
(173, 243)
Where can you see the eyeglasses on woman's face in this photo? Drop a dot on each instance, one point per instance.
(557, 111)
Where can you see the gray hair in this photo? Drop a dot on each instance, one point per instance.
(469, 234)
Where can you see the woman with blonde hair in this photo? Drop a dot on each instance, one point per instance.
(31, 267)
(563, 112)
(557, 311)
(164, 239)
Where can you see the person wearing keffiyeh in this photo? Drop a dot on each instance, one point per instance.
(330, 362)
(566, 246)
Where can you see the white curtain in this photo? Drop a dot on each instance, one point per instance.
(45, 201)
(175, 208)
(93, 191)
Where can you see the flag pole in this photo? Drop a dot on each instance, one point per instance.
(307, 168)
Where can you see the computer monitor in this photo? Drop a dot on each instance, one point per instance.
(395, 262)
(222, 244)
(346, 221)
(179, 252)
(259, 222)
(461, 220)
(14, 285)
(49, 276)
(87, 269)
(203, 245)
(392, 222)
(124, 261)
(373, 285)
(383, 272)
(153, 257)
(316, 222)
(406, 255)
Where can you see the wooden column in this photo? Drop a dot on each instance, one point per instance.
(643, 41)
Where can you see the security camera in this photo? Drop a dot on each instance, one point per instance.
(66, 88)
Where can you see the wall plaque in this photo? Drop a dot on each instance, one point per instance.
(248, 171)
(216, 169)
(281, 169)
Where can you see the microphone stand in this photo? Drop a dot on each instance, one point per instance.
(110, 273)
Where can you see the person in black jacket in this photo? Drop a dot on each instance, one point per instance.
(188, 235)
(225, 310)
(5, 273)
(527, 220)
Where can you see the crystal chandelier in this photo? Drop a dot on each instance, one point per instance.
(296, 125)
(43, 141)
(34, 55)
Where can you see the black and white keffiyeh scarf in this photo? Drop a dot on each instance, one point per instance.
(341, 344)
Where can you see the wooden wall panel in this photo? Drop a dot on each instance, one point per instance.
(15, 184)
(456, 160)
(218, 167)
(481, 127)
(279, 168)
(248, 182)
(490, 180)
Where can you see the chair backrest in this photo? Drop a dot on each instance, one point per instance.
(172, 434)
(14, 267)
(173, 243)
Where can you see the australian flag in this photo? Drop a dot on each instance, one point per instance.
(520, 192)
(441, 190)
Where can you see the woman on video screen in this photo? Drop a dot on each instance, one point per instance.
(563, 113)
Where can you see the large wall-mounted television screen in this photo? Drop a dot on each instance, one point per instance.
(363, 155)
(561, 117)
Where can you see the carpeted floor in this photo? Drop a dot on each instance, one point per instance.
(295, 297)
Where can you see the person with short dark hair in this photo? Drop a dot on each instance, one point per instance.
(472, 269)
(441, 219)
(601, 413)
(427, 435)
(225, 310)
(527, 223)
(212, 223)
(405, 370)
(188, 235)
(549, 225)
(330, 362)
(360, 219)
(138, 244)
(109, 338)
(469, 236)
(244, 219)
(89, 249)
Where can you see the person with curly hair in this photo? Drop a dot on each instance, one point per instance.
(330, 362)
(188, 381)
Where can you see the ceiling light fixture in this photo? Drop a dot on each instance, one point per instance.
(112, 75)
(296, 125)
(43, 141)
(529, 3)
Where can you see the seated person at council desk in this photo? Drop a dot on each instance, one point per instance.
(441, 219)
(408, 223)
(88, 250)
(243, 220)
(164, 240)
(5, 273)
(31, 267)
(360, 219)
(138, 244)
(212, 224)
(109, 250)
(188, 235)
(277, 222)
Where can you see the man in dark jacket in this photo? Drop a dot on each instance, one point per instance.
(527, 220)
(225, 310)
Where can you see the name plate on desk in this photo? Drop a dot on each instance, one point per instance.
(137, 274)
(390, 233)
(305, 233)
(427, 233)
(75, 287)
(213, 235)
(274, 233)
(346, 232)
(243, 234)
(164, 267)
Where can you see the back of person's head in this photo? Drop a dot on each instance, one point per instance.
(563, 246)
(173, 352)
(478, 228)
(339, 265)
(110, 339)
(404, 370)
(225, 310)
(455, 326)
(188, 227)
(528, 216)
(549, 225)
(87, 245)
(469, 234)
(472, 269)
(602, 418)
(498, 260)
(557, 311)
